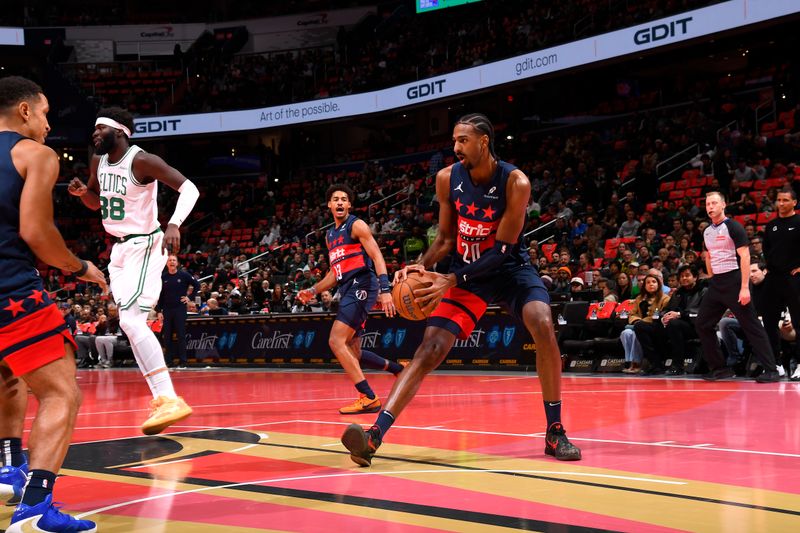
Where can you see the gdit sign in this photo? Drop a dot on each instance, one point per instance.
(659, 32)
(425, 89)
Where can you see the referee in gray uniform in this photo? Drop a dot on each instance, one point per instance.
(729, 288)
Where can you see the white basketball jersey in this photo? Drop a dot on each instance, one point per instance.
(126, 206)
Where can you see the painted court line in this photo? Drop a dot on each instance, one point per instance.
(584, 439)
(355, 474)
(445, 395)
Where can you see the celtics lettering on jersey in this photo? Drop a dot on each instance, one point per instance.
(127, 206)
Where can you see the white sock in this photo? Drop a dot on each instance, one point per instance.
(147, 352)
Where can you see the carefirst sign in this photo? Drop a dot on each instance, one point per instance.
(685, 26)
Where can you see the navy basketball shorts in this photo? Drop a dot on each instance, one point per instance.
(358, 298)
(511, 288)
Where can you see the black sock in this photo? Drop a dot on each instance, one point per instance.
(384, 422)
(40, 485)
(376, 362)
(11, 452)
(552, 410)
(364, 388)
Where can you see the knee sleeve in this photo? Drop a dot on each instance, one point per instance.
(134, 323)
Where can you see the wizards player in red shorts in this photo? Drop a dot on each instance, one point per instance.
(358, 268)
(482, 207)
(36, 350)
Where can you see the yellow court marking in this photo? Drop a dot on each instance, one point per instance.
(657, 500)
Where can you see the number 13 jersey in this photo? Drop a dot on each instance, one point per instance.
(127, 206)
(479, 209)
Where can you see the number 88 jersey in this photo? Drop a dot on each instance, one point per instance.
(479, 209)
(127, 206)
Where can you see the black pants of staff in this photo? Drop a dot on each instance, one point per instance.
(175, 322)
(781, 291)
(723, 293)
(679, 332)
(653, 338)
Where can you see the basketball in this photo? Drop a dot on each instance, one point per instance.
(403, 296)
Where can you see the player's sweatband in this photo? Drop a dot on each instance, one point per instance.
(83, 270)
(485, 264)
(383, 282)
(188, 196)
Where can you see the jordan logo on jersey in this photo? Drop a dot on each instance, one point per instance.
(459, 189)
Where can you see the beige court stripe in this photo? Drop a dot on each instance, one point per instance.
(659, 510)
(395, 517)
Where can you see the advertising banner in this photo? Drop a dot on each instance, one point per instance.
(302, 340)
(636, 39)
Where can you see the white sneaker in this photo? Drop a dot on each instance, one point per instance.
(796, 375)
(781, 371)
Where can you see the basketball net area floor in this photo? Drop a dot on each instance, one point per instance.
(262, 453)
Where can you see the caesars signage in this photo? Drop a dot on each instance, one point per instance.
(691, 25)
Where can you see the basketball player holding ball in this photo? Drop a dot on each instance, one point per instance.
(482, 208)
(355, 259)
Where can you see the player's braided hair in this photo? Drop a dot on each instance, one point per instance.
(482, 124)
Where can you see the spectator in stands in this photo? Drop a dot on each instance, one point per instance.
(743, 171)
(645, 318)
(415, 244)
(561, 284)
(278, 303)
(679, 317)
(214, 309)
(107, 334)
(608, 289)
(576, 285)
(66, 312)
(624, 287)
(629, 228)
(86, 355)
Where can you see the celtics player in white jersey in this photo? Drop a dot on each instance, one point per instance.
(123, 185)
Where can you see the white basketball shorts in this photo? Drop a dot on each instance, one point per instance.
(135, 271)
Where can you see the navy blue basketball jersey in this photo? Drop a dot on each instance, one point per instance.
(479, 209)
(346, 255)
(16, 259)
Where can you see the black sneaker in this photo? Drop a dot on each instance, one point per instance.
(558, 445)
(768, 376)
(654, 371)
(361, 443)
(720, 373)
(674, 371)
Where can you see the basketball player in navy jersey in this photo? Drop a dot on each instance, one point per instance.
(482, 206)
(355, 259)
(34, 342)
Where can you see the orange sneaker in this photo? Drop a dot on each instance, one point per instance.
(163, 413)
(362, 405)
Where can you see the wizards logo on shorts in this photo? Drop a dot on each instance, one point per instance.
(361, 294)
(303, 339)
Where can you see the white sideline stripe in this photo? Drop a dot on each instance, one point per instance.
(447, 395)
(607, 441)
(354, 474)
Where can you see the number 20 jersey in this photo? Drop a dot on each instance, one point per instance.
(479, 209)
(127, 206)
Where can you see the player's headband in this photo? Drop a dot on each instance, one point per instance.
(113, 123)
